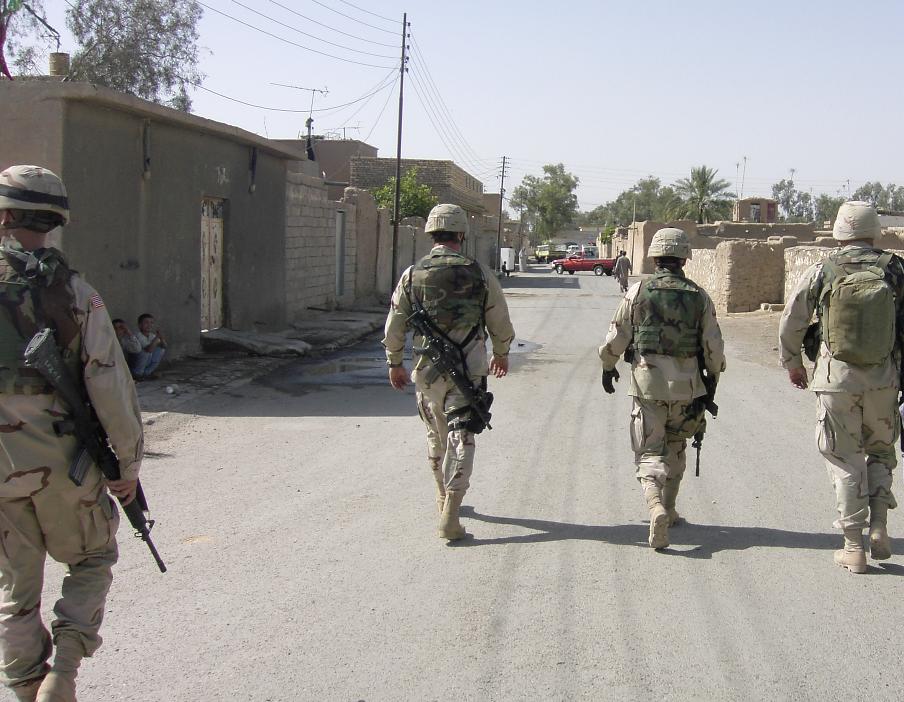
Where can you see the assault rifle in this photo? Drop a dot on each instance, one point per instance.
(43, 355)
(709, 405)
(448, 360)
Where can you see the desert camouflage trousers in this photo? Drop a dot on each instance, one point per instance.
(856, 434)
(42, 512)
(659, 433)
(450, 454)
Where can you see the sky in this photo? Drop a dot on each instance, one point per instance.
(615, 91)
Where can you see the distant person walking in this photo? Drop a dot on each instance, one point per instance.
(622, 270)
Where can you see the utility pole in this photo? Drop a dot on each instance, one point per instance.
(499, 230)
(398, 166)
(743, 178)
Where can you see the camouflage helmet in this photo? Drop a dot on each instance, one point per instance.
(670, 241)
(447, 218)
(36, 190)
(856, 220)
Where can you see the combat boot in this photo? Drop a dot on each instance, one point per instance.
(852, 556)
(449, 526)
(659, 516)
(669, 496)
(440, 491)
(59, 684)
(879, 544)
(27, 691)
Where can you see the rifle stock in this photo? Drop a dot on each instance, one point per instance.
(42, 355)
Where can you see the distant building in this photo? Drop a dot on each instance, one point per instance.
(334, 157)
(447, 181)
(761, 210)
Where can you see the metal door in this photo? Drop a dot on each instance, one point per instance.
(211, 264)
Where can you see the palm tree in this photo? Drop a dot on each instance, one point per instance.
(703, 197)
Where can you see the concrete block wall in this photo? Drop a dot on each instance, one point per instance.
(311, 247)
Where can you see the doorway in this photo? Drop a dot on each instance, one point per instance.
(211, 264)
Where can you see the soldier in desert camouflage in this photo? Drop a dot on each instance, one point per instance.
(41, 510)
(667, 321)
(465, 302)
(857, 296)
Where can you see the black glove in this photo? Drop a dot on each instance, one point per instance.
(608, 377)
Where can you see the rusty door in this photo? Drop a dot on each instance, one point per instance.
(211, 263)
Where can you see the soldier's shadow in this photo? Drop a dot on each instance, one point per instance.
(687, 539)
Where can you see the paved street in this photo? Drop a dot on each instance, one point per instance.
(296, 514)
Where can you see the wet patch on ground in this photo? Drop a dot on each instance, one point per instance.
(360, 366)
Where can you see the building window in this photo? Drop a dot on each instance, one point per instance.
(754, 212)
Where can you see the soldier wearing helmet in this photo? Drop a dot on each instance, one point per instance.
(41, 510)
(667, 325)
(465, 302)
(856, 295)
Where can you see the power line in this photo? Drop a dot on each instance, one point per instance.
(353, 19)
(282, 109)
(288, 41)
(315, 38)
(448, 141)
(326, 26)
(446, 110)
(345, 2)
(382, 110)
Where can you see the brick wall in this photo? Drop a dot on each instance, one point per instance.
(448, 182)
(311, 246)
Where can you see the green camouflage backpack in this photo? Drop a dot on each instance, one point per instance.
(857, 307)
(667, 316)
(43, 277)
(451, 289)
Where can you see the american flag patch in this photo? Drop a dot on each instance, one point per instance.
(96, 302)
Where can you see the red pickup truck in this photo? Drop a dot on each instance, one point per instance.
(576, 262)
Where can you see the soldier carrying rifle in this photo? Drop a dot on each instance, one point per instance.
(451, 302)
(669, 323)
(42, 510)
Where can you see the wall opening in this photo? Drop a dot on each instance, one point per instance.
(212, 302)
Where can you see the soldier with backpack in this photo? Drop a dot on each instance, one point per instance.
(857, 297)
(462, 301)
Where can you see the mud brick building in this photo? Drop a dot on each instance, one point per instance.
(447, 181)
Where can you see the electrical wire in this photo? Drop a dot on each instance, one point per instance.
(288, 41)
(446, 111)
(378, 88)
(333, 29)
(315, 38)
(281, 109)
(353, 19)
(438, 125)
(345, 2)
(382, 110)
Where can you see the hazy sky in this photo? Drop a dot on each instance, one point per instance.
(614, 90)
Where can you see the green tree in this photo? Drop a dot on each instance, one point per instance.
(415, 199)
(887, 197)
(825, 207)
(549, 202)
(702, 196)
(794, 205)
(23, 27)
(148, 48)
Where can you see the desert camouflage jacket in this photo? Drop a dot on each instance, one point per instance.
(496, 318)
(658, 376)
